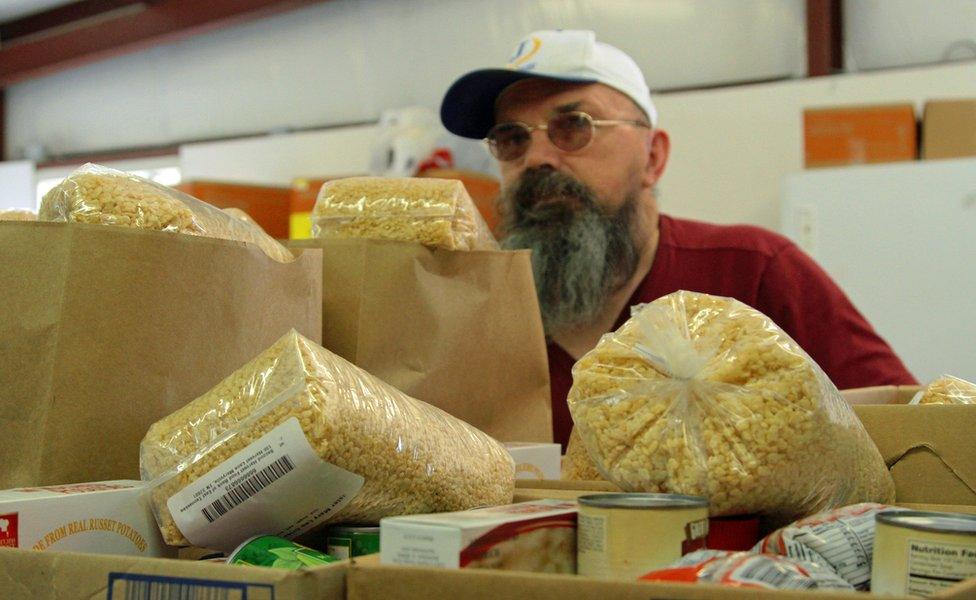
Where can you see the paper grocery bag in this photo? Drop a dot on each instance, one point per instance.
(105, 330)
(459, 330)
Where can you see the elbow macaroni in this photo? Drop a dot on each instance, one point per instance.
(703, 395)
(102, 196)
(435, 212)
(414, 457)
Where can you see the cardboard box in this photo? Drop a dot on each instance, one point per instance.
(368, 580)
(852, 135)
(536, 461)
(73, 576)
(949, 129)
(930, 450)
(109, 517)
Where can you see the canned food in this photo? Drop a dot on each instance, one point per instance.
(920, 553)
(347, 542)
(277, 552)
(623, 536)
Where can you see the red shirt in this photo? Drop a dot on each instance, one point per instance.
(770, 273)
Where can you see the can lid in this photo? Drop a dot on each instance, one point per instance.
(930, 521)
(638, 501)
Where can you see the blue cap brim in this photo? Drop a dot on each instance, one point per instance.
(468, 108)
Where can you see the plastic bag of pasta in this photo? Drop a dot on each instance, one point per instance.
(298, 438)
(435, 212)
(703, 395)
(947, 390)
(97, 195)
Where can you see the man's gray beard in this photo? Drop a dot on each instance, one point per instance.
(580, 254)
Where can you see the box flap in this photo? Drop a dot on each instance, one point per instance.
(367, 580)
(919, 439)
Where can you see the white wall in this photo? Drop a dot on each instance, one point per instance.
(17, 184)
(278, 159)
(345, 61)
(732, 147)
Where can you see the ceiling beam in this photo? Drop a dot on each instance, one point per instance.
(159, 21)
(60, 16)
(825, 37)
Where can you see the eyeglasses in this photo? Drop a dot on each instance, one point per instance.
(569, 132)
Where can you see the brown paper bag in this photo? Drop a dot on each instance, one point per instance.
(459, 330)
(105, 330)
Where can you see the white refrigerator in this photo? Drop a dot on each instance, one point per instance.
(900, 239)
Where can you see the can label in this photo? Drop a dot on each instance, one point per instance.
(276, 484)
(278, 553)
(933, 566)
(352, 544)
(696, 533)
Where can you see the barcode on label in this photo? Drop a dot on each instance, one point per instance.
(132, 586)
(771, 573)
(250, 486)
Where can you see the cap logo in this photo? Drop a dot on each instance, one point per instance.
(524, 52)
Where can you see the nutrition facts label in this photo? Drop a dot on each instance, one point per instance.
(933, 566)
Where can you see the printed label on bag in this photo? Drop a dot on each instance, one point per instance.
(276, 485)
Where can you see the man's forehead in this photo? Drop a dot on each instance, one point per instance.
(556, 96)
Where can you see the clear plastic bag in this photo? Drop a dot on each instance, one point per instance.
(101, 196)
(703, 395)
(415, 458)
(17, 214)
(947, 390)
(435, 212)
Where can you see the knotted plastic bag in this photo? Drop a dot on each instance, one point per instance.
(703, 395)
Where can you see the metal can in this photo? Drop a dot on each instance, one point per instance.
(623, 536)
(347, 541)
(277, 552)
(919, 553)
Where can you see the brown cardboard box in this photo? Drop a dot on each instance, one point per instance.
(949, 129)
(72, 576)
(368, 580)
(851, 135)
(930, 450)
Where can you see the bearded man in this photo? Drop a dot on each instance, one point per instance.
(571, 122)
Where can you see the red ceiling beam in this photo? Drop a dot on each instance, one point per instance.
(60, 16)
(161, 21)
(825, 37)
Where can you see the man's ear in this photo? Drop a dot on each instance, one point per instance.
(657, 157)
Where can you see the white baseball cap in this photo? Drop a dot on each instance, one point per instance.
(468, 108)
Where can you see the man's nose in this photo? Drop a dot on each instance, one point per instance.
(542, 152)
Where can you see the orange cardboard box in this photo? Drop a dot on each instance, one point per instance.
(855, 135)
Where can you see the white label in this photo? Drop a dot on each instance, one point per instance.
(933, 566)
(276, 485)
(416, 544)
(593, 559)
